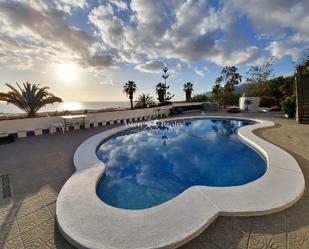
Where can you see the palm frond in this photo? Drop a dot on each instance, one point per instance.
(29, 97)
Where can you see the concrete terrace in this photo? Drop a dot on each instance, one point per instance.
(39, 166)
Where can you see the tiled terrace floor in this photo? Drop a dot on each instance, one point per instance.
(39, 166)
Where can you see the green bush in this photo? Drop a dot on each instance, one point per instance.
(278, 88)
(230, 98)
(199, 98)
(288, 106)
(225, 98)
(267, 101)
(258, 89)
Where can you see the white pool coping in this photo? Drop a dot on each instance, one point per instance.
(88, 222)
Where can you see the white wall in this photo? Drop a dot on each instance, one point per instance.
(254, 107)
(30, 124)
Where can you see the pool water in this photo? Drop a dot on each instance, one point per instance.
(146, 166)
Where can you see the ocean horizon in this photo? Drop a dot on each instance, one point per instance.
(68, 106)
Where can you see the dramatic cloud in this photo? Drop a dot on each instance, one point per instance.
(280, 49)
(41, 32)
(273, 19)
(151, 66)
(272, 16)
(117, 32)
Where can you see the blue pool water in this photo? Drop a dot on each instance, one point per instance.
(147, 166)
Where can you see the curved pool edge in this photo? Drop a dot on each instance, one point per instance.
(87, 222)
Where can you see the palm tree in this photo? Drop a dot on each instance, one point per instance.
(161, 89)
(29, 97)
(145, 100)
(164, 96)
(188, 89)
(129, 89)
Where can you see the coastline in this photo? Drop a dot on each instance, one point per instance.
(8, 112)
(9, 116)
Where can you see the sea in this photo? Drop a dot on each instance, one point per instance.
(68, 106)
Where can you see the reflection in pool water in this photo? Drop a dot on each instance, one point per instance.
(148, 166)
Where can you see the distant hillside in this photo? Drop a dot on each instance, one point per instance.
(241, 88)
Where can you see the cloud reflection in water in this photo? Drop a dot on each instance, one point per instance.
(146, 167)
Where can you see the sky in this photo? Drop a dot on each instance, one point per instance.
(86, 50)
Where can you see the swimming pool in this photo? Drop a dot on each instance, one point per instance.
(149, 165)
(88, 222)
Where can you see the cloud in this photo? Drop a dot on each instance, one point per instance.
(151, 18)
(283, 22)
(40, 32)
(279, 49)
(111, 29)
(68, 5)
(200, 72)
(153, 66)
(107, 80)
(121, 5)
(177, 68)
(145, 30)
(99, 61)
(231, 56)
(273, 16)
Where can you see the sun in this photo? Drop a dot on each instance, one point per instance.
(67, 72)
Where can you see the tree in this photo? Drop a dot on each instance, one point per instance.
(281, 88)
(277, 88)
(129, 89)
(260, 89)
(288, 106)
(230, 77)
(162, 89)
(145, 100)
(217, 88)
(163, 95)
(224, 86)
(260, 73)
(303, 62)
(188, 89)
(29, 97)
(165, 75)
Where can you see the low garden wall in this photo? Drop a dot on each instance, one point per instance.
(18, 128)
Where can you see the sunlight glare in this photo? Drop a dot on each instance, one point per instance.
(72, 106)
(67, 72)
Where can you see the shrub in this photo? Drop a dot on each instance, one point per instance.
(267, 101)
(230, 99)
(199, 98)
(258, 89)
(288, 105)
(225, 98)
